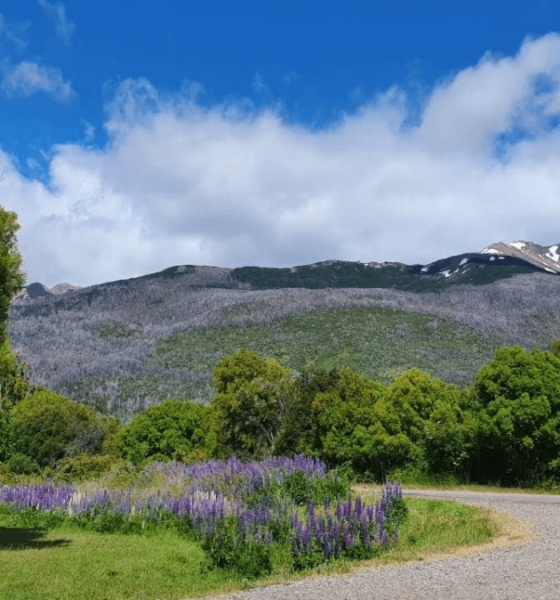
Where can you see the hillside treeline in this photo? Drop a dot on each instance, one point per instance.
(504, 429)
(109, 345)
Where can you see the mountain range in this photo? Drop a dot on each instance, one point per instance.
(497, 261)
(124, 345)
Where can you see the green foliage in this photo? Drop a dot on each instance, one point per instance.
(116, 330)
(378, 343)
(519, 394)
(14, 384)
(174, 429)
(83, 467)
(11, 276)
(342, 274)
(22, 464)
(110, 446)
(345, 427)
(302, 489)
(253, 393)
(555, 347)
(6, 435)
(436, 419)
(226, 549)
(296, 434)
(48, 427)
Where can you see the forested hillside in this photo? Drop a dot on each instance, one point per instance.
(126, 345)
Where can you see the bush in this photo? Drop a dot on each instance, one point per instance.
(6, 435)
(48, 427)
(296, 433)
(21, 464)
(435, 419)
(83, 467)
(345, 427)
(519, 432)
(172, 430)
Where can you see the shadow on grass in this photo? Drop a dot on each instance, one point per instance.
(14, 538)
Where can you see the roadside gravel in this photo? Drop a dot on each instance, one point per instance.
(527, 572)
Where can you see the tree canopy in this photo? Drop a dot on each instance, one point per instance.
(252, 396)
(174, 429)
(11, 275)
(519, 395)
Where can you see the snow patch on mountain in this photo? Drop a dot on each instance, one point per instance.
(544, 257)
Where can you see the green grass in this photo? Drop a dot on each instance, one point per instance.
(71, 564)
(67, 563)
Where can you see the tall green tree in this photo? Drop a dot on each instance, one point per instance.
(11, 275)
(14, 385)
(296, 434)
(437, 419)
(252, 395)
(519, 395)
(345, 428)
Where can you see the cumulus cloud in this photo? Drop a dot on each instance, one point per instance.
(57, 12)
(183, 183)
(28, 78)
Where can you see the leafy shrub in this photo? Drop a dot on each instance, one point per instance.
(21, 464)
(48, 427)
(83, 467)
(519, 430)
(172, 430)
(344, 424)
(298, 486)
(6, 435)
(435, 421)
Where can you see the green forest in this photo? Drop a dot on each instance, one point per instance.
(505, 429)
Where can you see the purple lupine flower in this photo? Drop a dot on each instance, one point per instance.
(348, 541)
(339, 510)
(358, 508)
(365, 532)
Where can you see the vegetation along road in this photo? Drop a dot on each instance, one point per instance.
(526, 567)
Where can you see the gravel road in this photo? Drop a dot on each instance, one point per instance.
(527, 572)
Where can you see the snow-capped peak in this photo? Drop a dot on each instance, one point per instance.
(545, 257)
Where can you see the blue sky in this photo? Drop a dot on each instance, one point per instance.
(275, 133)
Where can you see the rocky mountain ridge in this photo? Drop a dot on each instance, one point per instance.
(497, 261)
(546, 257)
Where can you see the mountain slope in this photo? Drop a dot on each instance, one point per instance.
(124, 345)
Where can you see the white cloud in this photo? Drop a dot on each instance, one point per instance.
(89, 132)
(181, 183)
(57, 12)
(28, 78)
(258, 85)
(13, 33)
